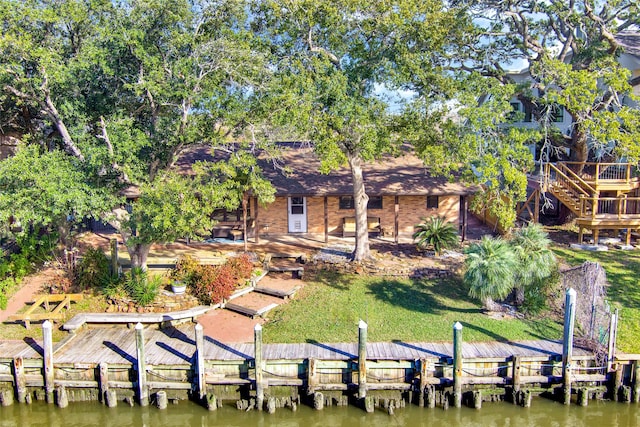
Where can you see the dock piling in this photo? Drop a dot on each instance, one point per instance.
(48, 359)
(257, 334)
(201, 384)
(362, 359)
(457, 364)
(143, 390)
(567, 343)
(19, 379)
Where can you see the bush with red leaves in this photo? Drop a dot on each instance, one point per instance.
(214, 283)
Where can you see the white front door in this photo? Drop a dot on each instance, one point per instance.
(297, 207)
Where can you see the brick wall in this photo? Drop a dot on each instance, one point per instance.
(273, 218)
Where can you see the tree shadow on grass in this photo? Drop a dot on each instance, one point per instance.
(333, 279)
(417, 296)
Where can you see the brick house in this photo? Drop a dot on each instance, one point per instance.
(316, 206)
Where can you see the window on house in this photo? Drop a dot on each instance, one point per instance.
(375, 202)
(557, 113)
(515, 115)
(346, 202)
(432, 202)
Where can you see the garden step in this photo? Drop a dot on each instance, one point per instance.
(253, 304)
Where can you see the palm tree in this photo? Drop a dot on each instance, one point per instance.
(490, 270)
(536, 261)
(435, 232)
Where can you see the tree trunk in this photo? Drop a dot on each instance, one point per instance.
(519, 299)
(579, 147)
(139, 253)
(490, 305)
(360, 201)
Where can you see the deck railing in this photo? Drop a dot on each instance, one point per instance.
(598, 172)
(619, 206)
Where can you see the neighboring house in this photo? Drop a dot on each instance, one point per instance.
(559, 117)
(314, 205)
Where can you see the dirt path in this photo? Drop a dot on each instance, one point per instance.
(31, 285)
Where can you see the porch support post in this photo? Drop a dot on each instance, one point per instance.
(465, 217)
(256, 223)
(396, 219)
(326, 220)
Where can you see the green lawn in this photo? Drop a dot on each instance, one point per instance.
(623, 275)
(329, 307)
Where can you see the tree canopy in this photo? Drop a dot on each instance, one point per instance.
(123, 88)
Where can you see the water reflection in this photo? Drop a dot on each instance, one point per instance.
(542, 413)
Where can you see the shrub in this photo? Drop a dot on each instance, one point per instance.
(93, 270)
(213, 284)
(142, 288)
(6, 285)
(187, 269)
(437, 233)
(241, 267)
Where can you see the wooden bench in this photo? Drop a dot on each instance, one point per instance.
(62, 300)
(349, 226)
(132, 318)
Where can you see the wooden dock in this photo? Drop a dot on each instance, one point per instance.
(104, 361)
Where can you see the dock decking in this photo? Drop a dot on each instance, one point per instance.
(176, 345)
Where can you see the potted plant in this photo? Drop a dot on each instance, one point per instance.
(183, 273)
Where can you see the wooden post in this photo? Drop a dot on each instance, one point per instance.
(613, 330)
(362, 359)
(536, 207)
(457, 364)
(256, 222)
(19, 379)
(201, 383)
(257, 334)
(318, 401)
(396, 219)
(326, 220)
(423, 382)
(465, 217)
(63, 399)
(617, 382)
(477, 399)
(48, 359)
(636, 381)
(515, 378)
(161, 399)
(312, 377)
(567, 342)
(583, 396)
(114, 257)
(103, 369)
(143, 390)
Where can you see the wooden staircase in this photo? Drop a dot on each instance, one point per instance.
(569, 188)
(597, 193)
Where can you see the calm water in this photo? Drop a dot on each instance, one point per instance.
(542, 413)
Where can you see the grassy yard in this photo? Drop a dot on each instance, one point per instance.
(329, 307)
(17, 331)
(623, 275)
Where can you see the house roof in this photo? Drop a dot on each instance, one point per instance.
(630, 41)
(402, 175)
